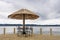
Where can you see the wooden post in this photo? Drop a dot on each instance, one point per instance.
(14, 30)
(41, 31)
(50, 31)
(4, 30)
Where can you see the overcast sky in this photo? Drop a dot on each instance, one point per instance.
(48, 10)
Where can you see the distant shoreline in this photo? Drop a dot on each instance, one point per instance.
(28, 25)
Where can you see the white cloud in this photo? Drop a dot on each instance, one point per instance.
(6, 7)
(50, 22)
(47, 8)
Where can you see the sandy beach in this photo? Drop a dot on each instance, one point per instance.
(33, 37)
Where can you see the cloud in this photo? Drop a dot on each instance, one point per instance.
(6, 7)
(45, 8)
(50, 22)
(48, 9)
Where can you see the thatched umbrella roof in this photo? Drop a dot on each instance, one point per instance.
(28, 14)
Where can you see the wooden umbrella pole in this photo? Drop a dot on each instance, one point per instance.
(24, 24)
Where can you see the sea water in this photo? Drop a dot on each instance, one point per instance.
(36, 30)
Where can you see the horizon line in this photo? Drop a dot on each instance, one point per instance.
(29, 25)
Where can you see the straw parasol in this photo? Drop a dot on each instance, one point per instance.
(23, 14)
